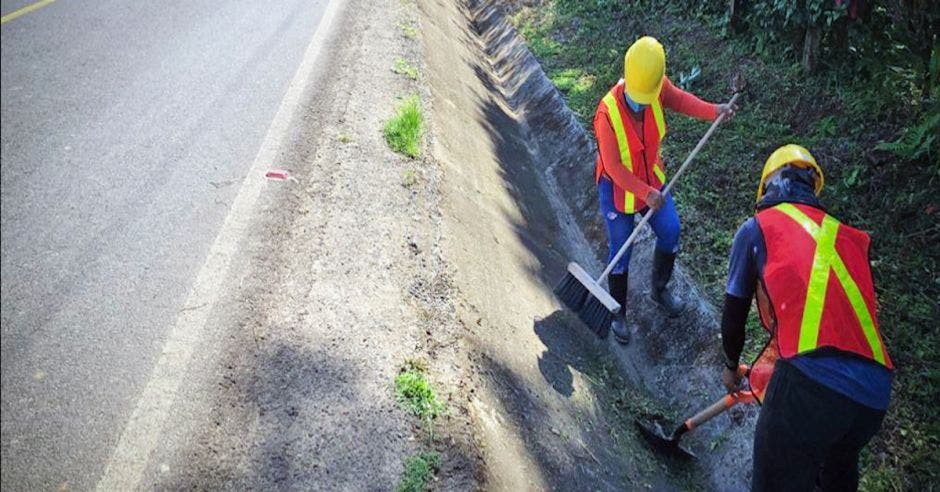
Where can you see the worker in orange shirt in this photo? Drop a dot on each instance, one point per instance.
(629, 126)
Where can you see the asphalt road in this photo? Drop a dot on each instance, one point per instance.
(127, 128)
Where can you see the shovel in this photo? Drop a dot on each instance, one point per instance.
(654, 434)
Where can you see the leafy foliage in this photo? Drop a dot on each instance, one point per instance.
(917, 141)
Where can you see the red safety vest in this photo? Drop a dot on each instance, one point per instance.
(816, 289)
(634, 155)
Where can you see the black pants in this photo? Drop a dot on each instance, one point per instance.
(809, 435)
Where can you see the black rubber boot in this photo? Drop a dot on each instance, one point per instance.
(663, 264)
(618, 290)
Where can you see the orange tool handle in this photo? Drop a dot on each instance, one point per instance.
(719, 407)
(722, 404)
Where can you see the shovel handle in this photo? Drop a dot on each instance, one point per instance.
(718, 408)
(715, 409)
(675, 178)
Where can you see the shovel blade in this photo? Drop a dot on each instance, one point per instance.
(653, 433)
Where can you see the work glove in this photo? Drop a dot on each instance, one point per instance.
(731, 378)
(726, 109)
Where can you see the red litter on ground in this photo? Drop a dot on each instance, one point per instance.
(277, 174)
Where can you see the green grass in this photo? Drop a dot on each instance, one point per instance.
(402, 67)
(344, 138)
(419, 470)
(403, 131)
(415, 393)
(408, 29)
(845, 116)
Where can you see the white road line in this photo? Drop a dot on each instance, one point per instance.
(129, 460)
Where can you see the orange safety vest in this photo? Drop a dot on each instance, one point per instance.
(816, 289)
(634, 155)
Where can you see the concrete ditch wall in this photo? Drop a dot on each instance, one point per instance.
(677, 359)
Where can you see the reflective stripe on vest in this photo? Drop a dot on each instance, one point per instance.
(661, 128)
(616, 120)
(623, 144)
(826, 258)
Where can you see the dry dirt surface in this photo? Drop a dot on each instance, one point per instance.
(337, 284)
(367, 259)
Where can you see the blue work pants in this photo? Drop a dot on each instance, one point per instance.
(665, 223)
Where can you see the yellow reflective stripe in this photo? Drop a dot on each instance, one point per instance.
(827, 257)
(658, 116)
(616, 119)
(818, 284)
(658, 170)
(805, 222)
(629, 202)
(661, 128)
(861, 309)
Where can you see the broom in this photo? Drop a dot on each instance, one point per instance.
(583, 294)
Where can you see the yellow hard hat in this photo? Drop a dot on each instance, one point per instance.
(790, 154)
(644, 66)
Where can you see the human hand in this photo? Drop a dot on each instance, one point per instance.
(731, 379)
(726, 109)
(655, 199)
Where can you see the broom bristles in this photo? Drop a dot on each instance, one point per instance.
(596, 317)
(581, 294)
(571, 292)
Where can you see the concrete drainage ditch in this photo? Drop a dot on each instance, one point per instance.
(545, 159)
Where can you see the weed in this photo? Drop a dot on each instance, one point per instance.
(402, 67)
(344, 138)
(916, 141)
(409, 30)
(416, 395)
(685, 80)
(408, 178)
(403, 130)
(718, 441)
(418, 472)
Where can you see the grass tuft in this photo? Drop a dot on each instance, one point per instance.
(402, 67)
(418, 472)
(403, 130)
(408, 178)
(344, 138)
(409, 30)
(415, 393)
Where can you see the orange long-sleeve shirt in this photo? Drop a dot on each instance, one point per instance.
(672, 98)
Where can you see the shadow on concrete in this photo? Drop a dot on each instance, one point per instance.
(563, 353)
